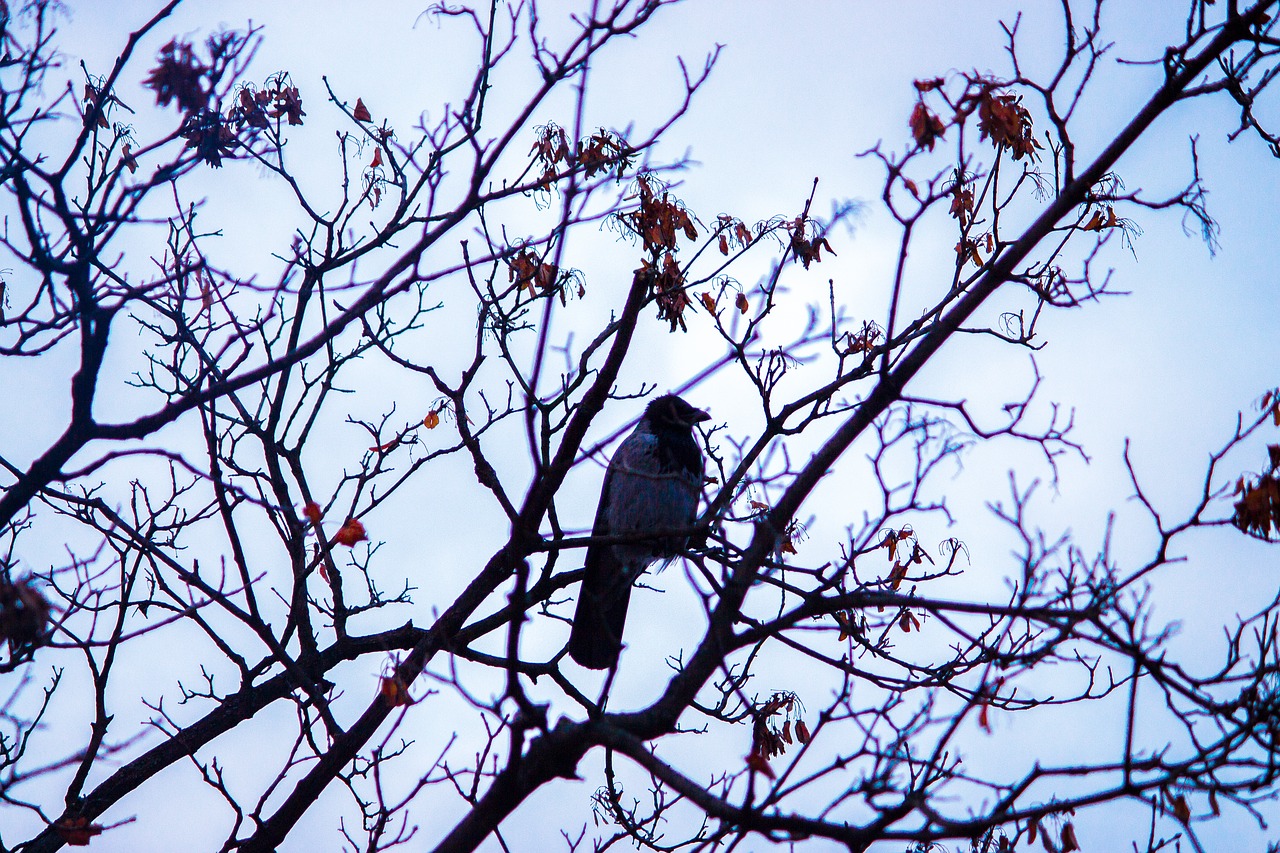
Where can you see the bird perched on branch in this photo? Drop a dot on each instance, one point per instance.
(652, 485)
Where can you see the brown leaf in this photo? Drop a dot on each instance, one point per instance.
(1069, 842)
(1181, 810)
(742, 303)
(709, 302)
(361, 112)
(432, 420)
(757, 763)
(926, 128)
(76, 831)
(802, 732)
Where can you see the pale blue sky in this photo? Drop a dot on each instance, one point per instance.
(799, 90)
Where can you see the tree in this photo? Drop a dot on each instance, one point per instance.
(230, 567)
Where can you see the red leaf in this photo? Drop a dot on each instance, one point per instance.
(351, 533)
(361, 112)
(77, 831)
(757, 763)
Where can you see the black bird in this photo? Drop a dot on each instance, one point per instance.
(652, 484)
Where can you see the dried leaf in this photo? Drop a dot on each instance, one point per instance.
(802, 732)
(351, 533)
(76, 831)
(742, 303)
(312, 512)
(1069, 842)
(361, 112)
(757, 763)
(926, 128)
(709, 302)
(395, 692)
(1181, 810)
(432, 420)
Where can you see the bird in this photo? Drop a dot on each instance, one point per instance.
(652, 484)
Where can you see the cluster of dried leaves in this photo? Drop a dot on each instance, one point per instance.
(1002, 117)
(769, 740)
(541, 277)
(181, 76)
(602, 152)
(24, 614)
(1257, 512)
(658, 220)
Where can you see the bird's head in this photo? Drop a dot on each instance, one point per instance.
(673, 412)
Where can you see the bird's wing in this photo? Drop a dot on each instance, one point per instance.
(596, 639)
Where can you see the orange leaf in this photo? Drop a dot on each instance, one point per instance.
(312, 512)
(724, 245)
(984, 718)
(377, 158)
(361, 112)
(1096, 223)
(709, 301)
(911, 187)
(350, 533)
(432, 420)
(395, 692)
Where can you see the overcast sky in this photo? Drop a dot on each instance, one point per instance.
(799, 90)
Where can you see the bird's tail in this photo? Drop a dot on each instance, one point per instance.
(596, 639)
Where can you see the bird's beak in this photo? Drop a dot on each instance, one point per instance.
(700, 415)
